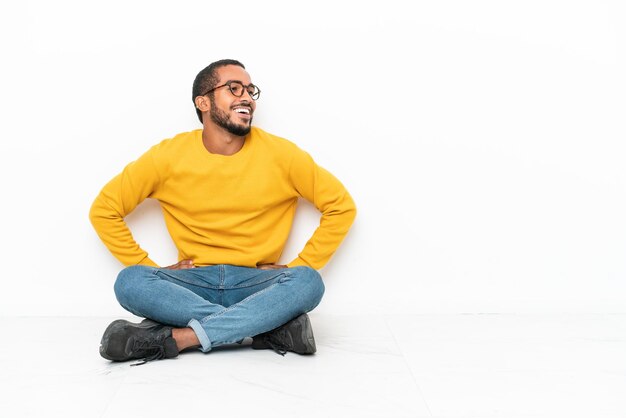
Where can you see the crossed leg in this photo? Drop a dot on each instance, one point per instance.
(216, 305)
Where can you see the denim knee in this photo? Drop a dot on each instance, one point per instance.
(126, 282)
(311, 285)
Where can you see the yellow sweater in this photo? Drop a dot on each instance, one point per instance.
(220, 209)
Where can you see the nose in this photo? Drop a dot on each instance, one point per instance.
(243, 100)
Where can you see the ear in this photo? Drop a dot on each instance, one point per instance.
(203, 103)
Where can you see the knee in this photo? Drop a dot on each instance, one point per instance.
(311, 284)
(127, 281)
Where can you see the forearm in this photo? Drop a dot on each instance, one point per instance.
(334, 225)
(114, 233)
(118, 198)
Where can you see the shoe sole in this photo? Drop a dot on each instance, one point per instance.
(306, 335)
(306, 344)
(114, 327)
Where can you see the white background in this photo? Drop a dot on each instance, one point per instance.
(483, 142)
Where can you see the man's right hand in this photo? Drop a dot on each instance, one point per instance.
(181, 265)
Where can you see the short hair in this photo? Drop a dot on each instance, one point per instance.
(207, 79)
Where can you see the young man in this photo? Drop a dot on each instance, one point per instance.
(228, 194)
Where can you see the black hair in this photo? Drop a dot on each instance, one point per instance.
(207, 79)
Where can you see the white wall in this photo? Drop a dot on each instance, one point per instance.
(483, 142)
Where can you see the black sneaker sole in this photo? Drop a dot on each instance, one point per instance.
(114, 328)
(306, 334)
(297, 327)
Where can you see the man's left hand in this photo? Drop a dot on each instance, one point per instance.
(181, 265)
(271, 266)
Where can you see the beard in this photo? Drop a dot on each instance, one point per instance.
(221, 119)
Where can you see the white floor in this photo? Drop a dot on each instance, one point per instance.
(366, 366)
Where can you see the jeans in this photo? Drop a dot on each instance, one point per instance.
(223, 304)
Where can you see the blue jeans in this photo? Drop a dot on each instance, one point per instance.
(223, 304)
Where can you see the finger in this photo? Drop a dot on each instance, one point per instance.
(184, 264)
(188, 264)
(271, 266)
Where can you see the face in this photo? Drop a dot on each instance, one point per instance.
(232, 113)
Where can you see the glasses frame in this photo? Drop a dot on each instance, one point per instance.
(245, 88)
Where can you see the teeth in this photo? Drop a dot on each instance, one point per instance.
(242, 110)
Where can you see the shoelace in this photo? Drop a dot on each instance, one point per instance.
(277, 347)
(155, 347)
(275, 341)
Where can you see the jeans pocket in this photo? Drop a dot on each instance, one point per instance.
(241, 277)
(194, 277)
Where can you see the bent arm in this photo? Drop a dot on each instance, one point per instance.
(117, 199)
(334, 202)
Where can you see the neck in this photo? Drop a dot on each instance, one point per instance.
(217, 140)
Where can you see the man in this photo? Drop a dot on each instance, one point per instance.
(228, 194)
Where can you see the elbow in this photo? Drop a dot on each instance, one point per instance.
(351, 210)
(98, 212)
(93, 213)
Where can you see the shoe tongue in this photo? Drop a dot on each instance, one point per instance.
(170, 347)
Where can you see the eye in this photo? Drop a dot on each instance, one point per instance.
(236, 88)
(253, 91)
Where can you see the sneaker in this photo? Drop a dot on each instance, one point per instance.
(148, 340)
(296, 336)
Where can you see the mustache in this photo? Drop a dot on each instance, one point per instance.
(242, 104)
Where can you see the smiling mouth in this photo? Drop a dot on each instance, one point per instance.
(243, 110)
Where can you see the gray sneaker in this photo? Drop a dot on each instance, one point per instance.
(148, 340)
(296, 336)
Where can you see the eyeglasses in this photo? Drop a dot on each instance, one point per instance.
(237, 89)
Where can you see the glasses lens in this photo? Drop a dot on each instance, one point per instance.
(254, 91)
(236, 88)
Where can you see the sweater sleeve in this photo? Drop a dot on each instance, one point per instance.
(331, 198)
(117, 199)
